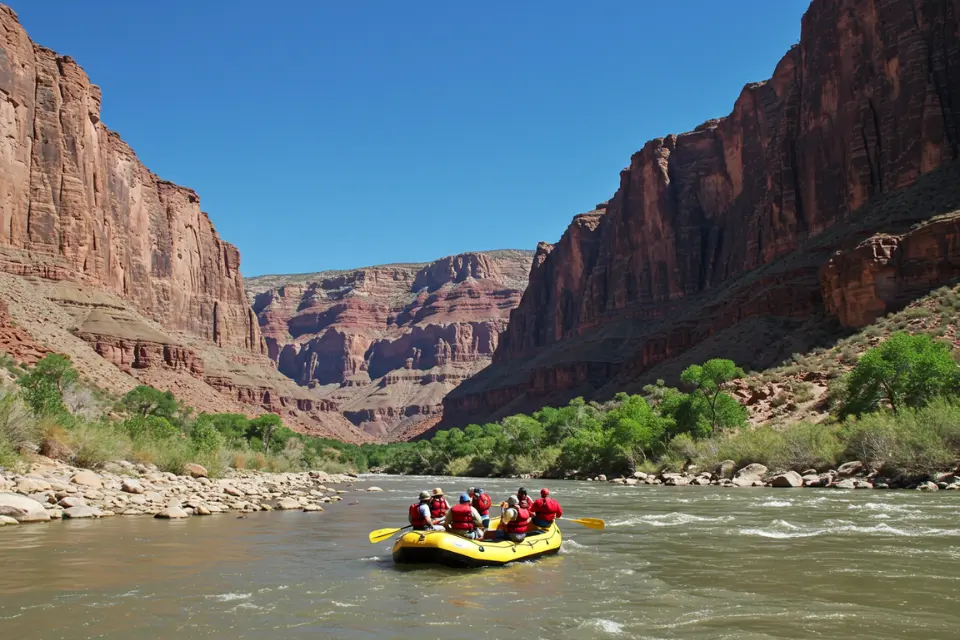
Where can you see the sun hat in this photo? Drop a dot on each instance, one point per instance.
(424, 495)
(438, 491)
(513, 501)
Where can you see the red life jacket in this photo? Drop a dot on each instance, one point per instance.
(438, 507)
(526, 502)
(482, 504)
(461, 518)
(416, 518)
(519, 525)
(546, 509)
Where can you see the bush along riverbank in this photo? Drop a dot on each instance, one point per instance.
(50, 490)
(894, 418)
(47, 409)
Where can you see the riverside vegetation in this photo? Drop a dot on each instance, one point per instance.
(896, 410)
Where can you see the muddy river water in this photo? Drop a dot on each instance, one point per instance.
(679, 562)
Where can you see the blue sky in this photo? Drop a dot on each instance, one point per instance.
(327, 135)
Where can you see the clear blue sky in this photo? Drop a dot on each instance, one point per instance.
(331, 134)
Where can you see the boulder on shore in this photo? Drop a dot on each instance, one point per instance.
(850, 469)
(172, 513)
(22, 508)
(87, 478)
(750, 475)
(82, 511)
(788, 479)
(195, 470)
(726, 469)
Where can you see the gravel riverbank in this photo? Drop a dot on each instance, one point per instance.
(50, 490)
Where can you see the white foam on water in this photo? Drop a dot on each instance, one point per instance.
(228, 597)
(602, 624)
(343, 604)
(776, 503)
(672, 519)
(780, 529)
(246, 606)
(626, 572)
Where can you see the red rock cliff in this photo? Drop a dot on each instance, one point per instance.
(731, 223)
(383, 344)
(77, 204)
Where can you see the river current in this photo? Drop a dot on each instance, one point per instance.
(677, 562)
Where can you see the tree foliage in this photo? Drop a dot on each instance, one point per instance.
(905, 371)
(44, 384)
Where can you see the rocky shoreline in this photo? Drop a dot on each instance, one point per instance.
(51, 490)
(851, 475)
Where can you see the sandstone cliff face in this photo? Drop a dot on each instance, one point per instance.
(732, 222)
(382, 345)
(105, 262)
(77, 204)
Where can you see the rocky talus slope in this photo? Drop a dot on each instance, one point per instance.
(383, 345)
(827, 198)
(104, 261)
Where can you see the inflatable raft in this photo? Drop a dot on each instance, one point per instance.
(440, 547)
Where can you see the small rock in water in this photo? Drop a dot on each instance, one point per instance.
(287, 503)
(172, 513)
(7, 520)
(374, 489)
(313, 507)
(846, 483)
(928, 486)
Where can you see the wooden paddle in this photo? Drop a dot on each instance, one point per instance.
(382, 534)
(589, 523)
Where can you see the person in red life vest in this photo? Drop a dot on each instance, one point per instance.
(438, 505)
(420, 516)
(514, 521)
(525, 501)
(482, 502)
(463, 519)
(545, 510)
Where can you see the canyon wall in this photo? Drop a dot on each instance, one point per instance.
(383, 345)
(753, 219)
(77, 204)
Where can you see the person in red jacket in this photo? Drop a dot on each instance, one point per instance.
(420, 517)
(438, 505)
(545, 510)
(463, 519)
(482, 502)
(523, 499)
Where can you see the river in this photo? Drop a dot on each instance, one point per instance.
(684, 562)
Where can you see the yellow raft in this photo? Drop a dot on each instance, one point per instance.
(440, 547)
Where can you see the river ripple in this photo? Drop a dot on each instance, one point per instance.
(678, 562)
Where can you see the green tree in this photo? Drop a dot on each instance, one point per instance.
(262, 428)
(205, 436)
(708, 380)
(147, 401)
(904, 371)
(44, 384)
(633, 431)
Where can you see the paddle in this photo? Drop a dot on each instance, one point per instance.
(382, 534)
(589, 523)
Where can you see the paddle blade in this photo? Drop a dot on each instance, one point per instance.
(589, 523)
(381, 534)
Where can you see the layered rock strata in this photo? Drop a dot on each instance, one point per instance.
(382, 345)
(723, 232)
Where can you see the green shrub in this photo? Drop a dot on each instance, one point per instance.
(763, 445)
(43, 385)
(896, 443)
(917, 312)
(94, 443)
(18, 426)
(810, 446)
